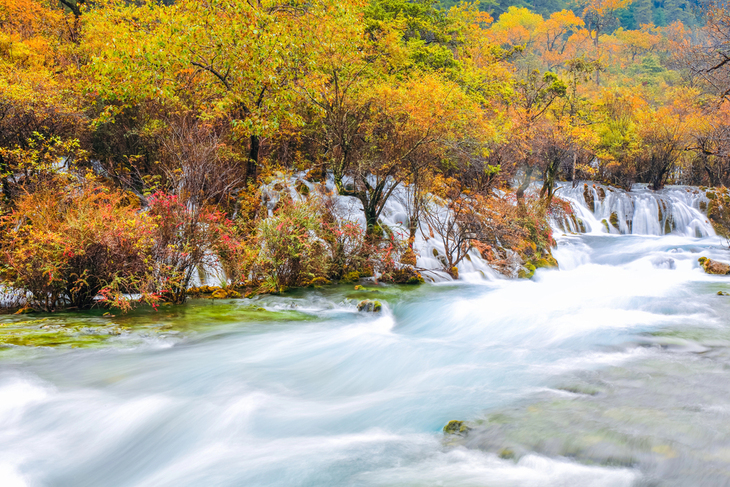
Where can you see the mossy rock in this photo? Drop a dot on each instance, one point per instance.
(368, 306)
(718, 212)
(588, 196)
(614, 219)
(606, 226)
(548, 262)
(527, 271)
(303, 189)
(714, 267)
(506, 454)
(455, 427)
(407, 275)
(221, 293)
(454, 272)
(319, 281)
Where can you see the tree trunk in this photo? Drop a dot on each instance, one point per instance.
(575, 161)
(253, 157)
(525, 184)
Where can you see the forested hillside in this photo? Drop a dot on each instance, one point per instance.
(632, 16)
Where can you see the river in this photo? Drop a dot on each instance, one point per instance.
(612, 371)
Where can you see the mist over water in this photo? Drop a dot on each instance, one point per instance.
(321, 395)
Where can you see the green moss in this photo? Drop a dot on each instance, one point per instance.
(352, 276)
(303, 189)
(91, 328)
(527, 271)
(546, 262)
(319, 281)
(377, 230)
(614, 219)
(368, 306)
(417, 279)
(454, 427)
(605, 225)
(506, 454)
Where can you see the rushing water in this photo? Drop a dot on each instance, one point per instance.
(611, 371)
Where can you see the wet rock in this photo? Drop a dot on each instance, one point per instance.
(527, 271)
(455, 427)
(714, 267)
(368, 306)
(614, 219)
(664, 263)
(303, 189)
(588, 195)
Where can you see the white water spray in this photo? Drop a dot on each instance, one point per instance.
(678, 210)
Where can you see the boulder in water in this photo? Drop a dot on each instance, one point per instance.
(455, 427)
(370, 306)
(527, 271)
(714, 267)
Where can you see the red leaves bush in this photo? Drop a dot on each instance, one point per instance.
(66, 246)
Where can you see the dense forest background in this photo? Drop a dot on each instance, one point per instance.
(659, 13)
(139, 140)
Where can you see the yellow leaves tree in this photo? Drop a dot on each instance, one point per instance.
(598, 16)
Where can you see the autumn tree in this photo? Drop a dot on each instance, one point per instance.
(710, 59)
(600, 15)
(536, 93)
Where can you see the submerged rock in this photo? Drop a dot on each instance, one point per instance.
(664, 263)
(713, 266)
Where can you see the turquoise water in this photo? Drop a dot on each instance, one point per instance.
(309, 392)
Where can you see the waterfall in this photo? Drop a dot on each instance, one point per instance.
(678, 210)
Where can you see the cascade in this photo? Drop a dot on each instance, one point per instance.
(599, 209)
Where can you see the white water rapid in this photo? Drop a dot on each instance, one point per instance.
(608, 372)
